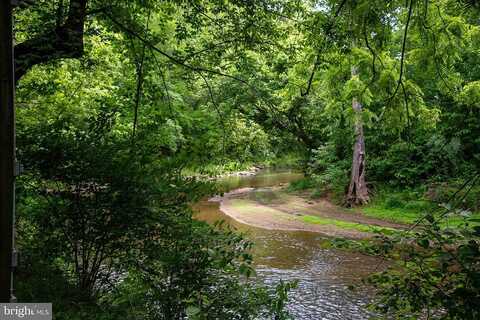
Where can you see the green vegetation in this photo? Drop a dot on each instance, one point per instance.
(347, 225)
(405, 207)
(122, 107)
(399, 215)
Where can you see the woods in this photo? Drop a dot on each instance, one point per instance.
(130, 113)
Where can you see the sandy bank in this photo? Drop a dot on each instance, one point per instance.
(274, 209)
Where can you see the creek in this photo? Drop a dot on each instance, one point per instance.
(325, 276)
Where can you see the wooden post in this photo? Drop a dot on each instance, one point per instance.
(7, 150)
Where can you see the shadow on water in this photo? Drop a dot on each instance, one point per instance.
(324, 275)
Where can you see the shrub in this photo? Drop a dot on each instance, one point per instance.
(302, 184)
(105, 222)
(443, 193)
(394, 201)
(436, 277)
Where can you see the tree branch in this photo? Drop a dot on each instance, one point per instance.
(312, 74)
(170, 57)
(65, 41)
(402, 59)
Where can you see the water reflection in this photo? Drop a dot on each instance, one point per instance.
(264, 178)
(324, 275)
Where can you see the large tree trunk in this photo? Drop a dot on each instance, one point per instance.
(358, 191)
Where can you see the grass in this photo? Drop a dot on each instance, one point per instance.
(404, 206)
(399, 215)
(409, 214)
(346, 224)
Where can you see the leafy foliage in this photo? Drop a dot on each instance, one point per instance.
(162, 90)
(437, 276)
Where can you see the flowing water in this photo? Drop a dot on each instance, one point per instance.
(325, 275)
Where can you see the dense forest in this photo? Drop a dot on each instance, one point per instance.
(128, 112)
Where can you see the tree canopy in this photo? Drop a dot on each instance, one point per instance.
(123, 105)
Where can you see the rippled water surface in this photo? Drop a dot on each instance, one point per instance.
(324, 275)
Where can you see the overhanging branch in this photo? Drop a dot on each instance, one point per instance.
(173, 59)
(65, 41)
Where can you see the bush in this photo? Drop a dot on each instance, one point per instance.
(443, 193)
(393, 202)
(104, 228)
(302, 184)
(437, 273)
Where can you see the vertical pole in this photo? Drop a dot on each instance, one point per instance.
(7, 149)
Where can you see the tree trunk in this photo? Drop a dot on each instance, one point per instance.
(358, 191)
